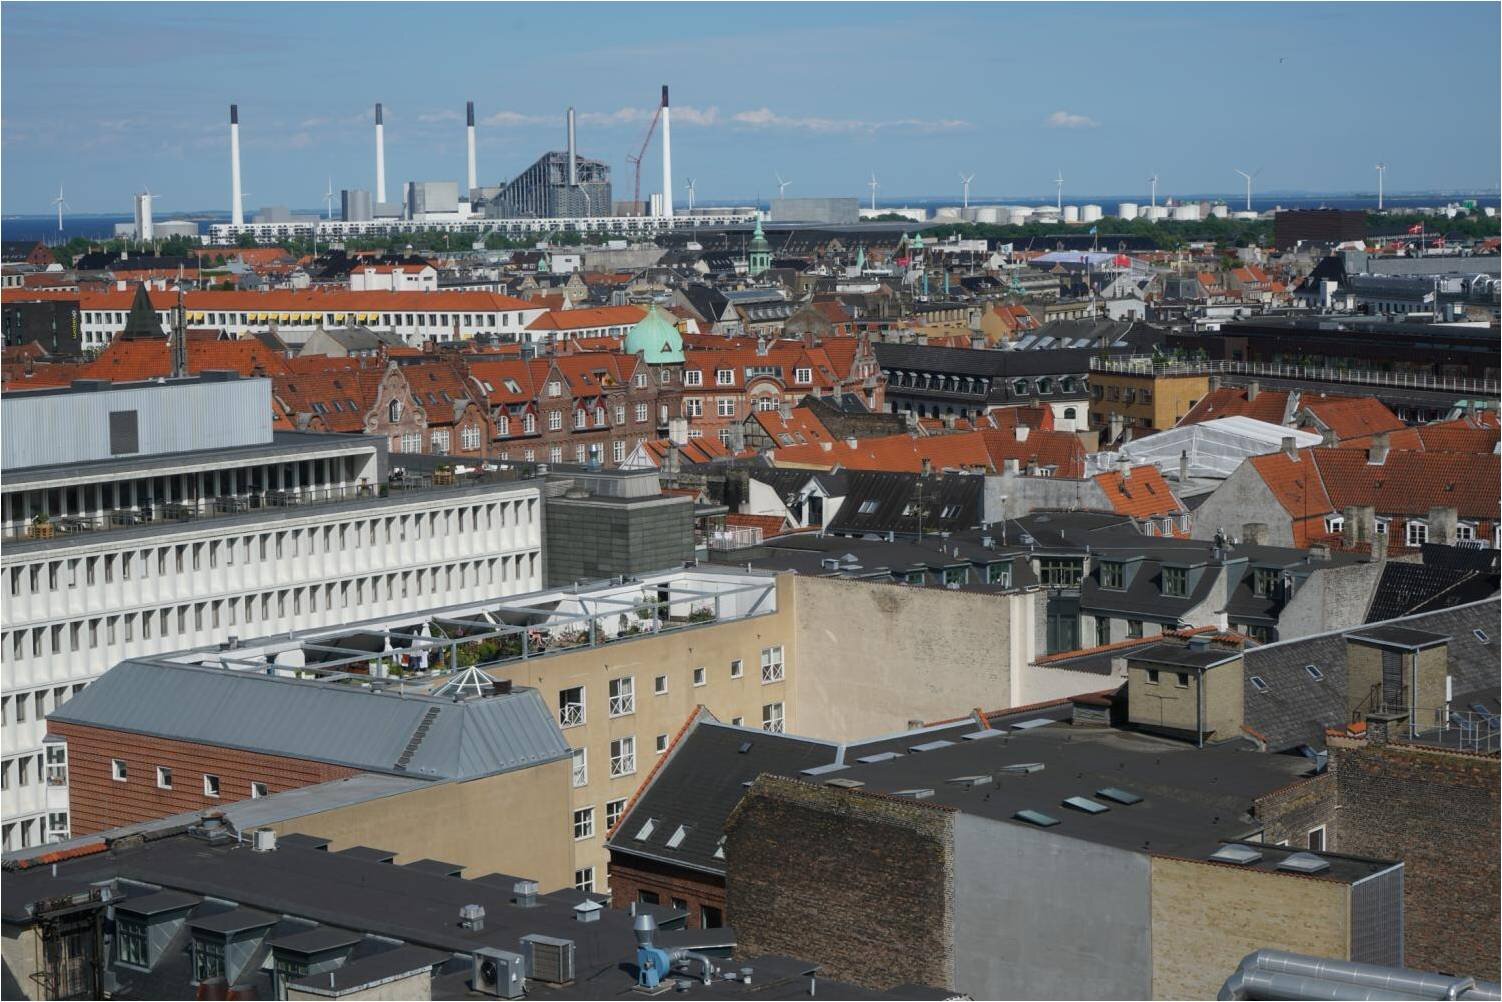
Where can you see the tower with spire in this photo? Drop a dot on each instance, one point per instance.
(759, 257)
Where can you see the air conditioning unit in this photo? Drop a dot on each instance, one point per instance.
(263, 840)
(500, 973)
(549, 959)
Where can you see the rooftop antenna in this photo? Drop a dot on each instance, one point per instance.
(61, 204)
(1381, 169)
(782, 185)
(1248, 184)
(328, 198)
(965, 180)
(1153, 198)
(873, 184)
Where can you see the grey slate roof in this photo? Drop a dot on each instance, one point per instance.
(320, 721)
(1296, 709)
(895, 493)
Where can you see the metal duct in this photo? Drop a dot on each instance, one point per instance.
(1278, 974)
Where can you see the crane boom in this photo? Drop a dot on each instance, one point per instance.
(636, 160)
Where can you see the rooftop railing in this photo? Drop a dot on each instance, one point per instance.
(1155, 366)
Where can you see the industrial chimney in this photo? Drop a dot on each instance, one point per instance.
(236, 210)
(573, 153)
(469, 116)
(380, 156)
(667, 158)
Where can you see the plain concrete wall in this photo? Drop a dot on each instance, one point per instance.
(1332, 598)
(19, 949)
(1012, 495)
(886, 654)
(1042, 916)
(1241, 498)
(412, 988)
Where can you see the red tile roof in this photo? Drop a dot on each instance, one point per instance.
(1351, 417)
(311, 300)
(770, 525)
(578, 319)
(1231, 401)
(132, 360)
(986, 449)
(1142, 494)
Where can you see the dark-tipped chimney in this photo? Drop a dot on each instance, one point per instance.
(379, 119)
(664, 95)
(234, 114)
(469, 113)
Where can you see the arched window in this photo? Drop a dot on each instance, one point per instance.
(395, 410)
(1019, 387)
(1068, 413)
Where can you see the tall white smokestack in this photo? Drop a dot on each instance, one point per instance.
(667, 157)
(236, 210)
(573, 154)
(469, 115)
(380, 157)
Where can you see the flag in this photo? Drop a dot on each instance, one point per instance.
(1416, 228)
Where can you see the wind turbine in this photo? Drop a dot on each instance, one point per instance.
(61, 205)
(328, 199)
(1381, 169)
(690, 187)
(965, 184)
(873, 184)
(1153, 198)
(782, 186)
(1248, 184)
(1059, 182)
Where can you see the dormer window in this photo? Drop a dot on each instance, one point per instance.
(1112, 574)
(724, 377)
(1175, 582)
(1265, 581)
(130, 941)
(555, 389)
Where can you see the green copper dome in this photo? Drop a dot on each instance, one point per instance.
(655, 339)
(759, 239)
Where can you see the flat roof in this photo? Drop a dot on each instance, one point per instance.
(1184, 656)
(1398, 636)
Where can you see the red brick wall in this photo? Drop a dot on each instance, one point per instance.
(629, 878)
(98, 802)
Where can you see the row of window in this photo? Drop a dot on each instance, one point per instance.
(212, 787)
(310, 541)
(33, 705)
(244, 319)
(34, 831)
(60, 638)
(622, 691)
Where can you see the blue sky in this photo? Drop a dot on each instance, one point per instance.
(108, 98)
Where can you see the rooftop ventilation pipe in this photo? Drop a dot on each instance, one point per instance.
(1279, 974)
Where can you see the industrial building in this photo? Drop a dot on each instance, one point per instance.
(837, 211)
(544, 190)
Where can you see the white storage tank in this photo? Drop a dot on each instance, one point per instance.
(1089, 213)
(1071, 213)
(1155, 212)
(1018, 217)
(947, 212)
(986, 214)
(1127, 210)
(1220, 210)
(1186, 213)
(1243, 214)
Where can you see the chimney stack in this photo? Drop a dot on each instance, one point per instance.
(380, 156)
(236, 210)
(1021, 431)
(1253, 389)
(1442, 524)
(573, 153)
(469, 127)
(1290, 448)
(1377, 454)
(667, 157)
(1124, 467)
(1183, 468)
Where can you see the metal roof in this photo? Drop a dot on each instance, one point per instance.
(338, 724)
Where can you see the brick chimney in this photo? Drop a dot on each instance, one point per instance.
(1377, 454)
(1442, 525)
(1350, 530)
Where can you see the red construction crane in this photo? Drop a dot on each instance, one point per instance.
(636, 160)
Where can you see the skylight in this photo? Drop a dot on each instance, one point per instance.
(646, 830)
(1024, 767)
(1315, 673)
(676, 839)
(1118, 795)
(1086, 804)
(868, 507)
(1304, 862)
(1036, 818)
(919, 793)
(1238, 854)
(1480, 635)
(1260, 684)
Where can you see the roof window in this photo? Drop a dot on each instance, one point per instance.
(645, 831)
(1086, 804)
(1117, 795)
(1479, 635)
(1260, 684)
(1315, 673)
(676, 839)
(1036, 818)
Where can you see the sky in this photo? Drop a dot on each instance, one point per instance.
(108, 99)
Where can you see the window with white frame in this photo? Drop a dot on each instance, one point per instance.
(1465, 531)
(613, 811)
(584, 823)
(555, 420)
(163, 778)
(641, 413)
(581, 419)
(693, 407)
(662, 743)
(1417, 532)
(258, 790)
(736, 668)
(699, 676)
(503, 425)
(584, 880)
(660, 685)
(1334, 523)
(725, 406)
(693, 377)
(803, 375)
(766, 403)
(640, 380)
(571, 706)
(1380, 526)
(618, 451)
(622, 696)
(470, 438)
(581, 767)
(724, 377)
(620, 413)
(622, 757)
(119, 771)
(771, 718)
(555, 388)
(529, 424)
(771, 664)
(210, 785)
(555, 454)
(440, 440)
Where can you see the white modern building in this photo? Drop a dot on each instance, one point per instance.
(415, 316)
(151, 517)
(394, 278)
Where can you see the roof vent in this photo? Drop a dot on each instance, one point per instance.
(1241, 855)
(844, 783)
(1036, 818)
(1023, 767)
(931, 746)
(472, 917)
(885, 756)
(1304, 862)
(526, 893)
(918, 793)
(970, 781)
(588, 910)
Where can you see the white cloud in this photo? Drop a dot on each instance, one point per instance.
(439, 116)
(509, 119)
(766, 118)
(1068, 120)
